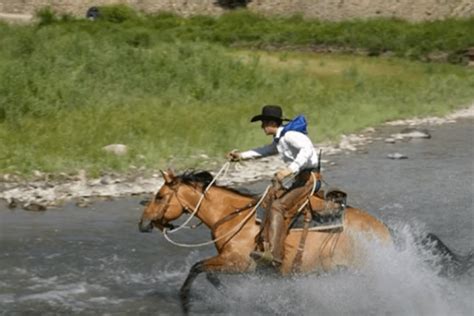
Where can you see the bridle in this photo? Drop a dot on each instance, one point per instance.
(185, 208)
(169, 228)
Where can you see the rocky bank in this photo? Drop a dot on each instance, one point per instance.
(53, 190)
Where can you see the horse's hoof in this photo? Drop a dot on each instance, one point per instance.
(264, 259)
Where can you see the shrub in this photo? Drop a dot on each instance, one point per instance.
(118, 13)
(46, 16)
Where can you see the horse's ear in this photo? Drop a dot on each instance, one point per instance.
(171, 172)
(167, 175)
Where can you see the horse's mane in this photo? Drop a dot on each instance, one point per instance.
(193, 176)
(205, 178)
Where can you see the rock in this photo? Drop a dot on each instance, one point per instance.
(10, 178)
(34, 207)
(106, 180)
(398, 136)
(416, 133)
(369, 130)
(13, 203)
(83, 203)
(346, 145)
(397, 156)
(81, 176)
(38, 174)
(390, 140)
(410, 133)
(116, 149)
(437, 56)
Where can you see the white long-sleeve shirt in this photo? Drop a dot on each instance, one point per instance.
(295, 148)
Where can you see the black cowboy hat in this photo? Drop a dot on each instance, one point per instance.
(269, 113)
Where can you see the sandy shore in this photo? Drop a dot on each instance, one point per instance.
(44, 191)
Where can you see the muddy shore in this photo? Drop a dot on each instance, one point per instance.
(46, 190)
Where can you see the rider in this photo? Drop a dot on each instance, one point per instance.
(297, 151)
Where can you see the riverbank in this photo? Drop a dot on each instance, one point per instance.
(49, 190)
(175, 90)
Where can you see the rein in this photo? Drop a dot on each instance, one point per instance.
(232, 231)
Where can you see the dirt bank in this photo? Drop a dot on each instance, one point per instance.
(419, 10)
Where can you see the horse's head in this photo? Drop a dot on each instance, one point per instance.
(164, 207)
(177, 195)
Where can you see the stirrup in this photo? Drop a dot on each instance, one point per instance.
(264, 258)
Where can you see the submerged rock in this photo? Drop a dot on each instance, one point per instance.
(411, 133)
(397, 156)
(416, 133)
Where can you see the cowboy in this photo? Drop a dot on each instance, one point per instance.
(297, 151)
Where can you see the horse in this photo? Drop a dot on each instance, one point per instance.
(234, 227)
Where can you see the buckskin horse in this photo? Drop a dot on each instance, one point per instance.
(234, 226)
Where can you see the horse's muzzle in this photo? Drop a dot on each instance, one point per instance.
(145, 228)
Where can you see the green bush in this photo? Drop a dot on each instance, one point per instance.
(118, 13)
(46, 16)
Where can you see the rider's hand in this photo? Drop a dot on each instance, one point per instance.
(234, 155)
(283, 173)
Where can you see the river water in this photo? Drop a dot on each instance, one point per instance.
(94, 261)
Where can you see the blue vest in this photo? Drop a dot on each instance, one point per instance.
(298, 124)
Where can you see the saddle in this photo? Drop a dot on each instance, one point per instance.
(327, 211)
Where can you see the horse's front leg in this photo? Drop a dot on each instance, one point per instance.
(214, 280)
(212, 266)
(186, 287)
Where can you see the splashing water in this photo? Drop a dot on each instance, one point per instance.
(392, 282)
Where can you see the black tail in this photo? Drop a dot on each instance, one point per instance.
(451, 264)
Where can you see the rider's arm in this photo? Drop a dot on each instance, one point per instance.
(303, 145)
(263, 151)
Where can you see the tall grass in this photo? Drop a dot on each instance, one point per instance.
(69, 88)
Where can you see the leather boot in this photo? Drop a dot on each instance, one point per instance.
(276, 235)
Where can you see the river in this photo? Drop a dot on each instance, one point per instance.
(93, 260)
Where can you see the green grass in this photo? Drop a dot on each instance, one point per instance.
(245, 29)
(69, 88)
